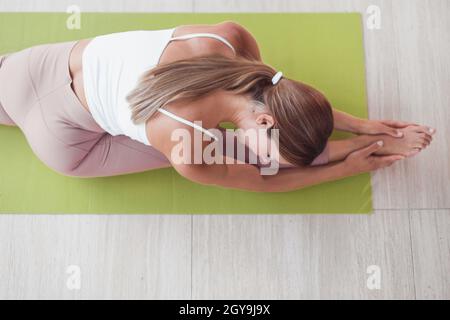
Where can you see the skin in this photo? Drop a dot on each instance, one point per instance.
(379, 144)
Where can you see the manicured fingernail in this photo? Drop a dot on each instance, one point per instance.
(399, 134)
(380, 143)
(431, 130)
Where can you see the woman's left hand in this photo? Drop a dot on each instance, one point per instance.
(389, 127)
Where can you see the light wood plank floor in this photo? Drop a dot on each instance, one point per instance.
(406, 241)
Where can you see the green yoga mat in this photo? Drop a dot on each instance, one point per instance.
(324, 50)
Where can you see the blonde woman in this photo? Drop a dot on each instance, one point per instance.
(109, 106)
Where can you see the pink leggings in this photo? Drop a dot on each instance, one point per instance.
(36, 96)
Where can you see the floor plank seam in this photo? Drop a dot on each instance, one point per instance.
(412, 256)
(412, 209)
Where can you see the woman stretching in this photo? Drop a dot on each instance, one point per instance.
(110, 106)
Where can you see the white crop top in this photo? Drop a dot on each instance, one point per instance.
(112, 67)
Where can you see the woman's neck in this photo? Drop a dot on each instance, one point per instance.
(233, 107)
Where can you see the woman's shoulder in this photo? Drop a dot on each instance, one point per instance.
(242, 39)
(228, 30)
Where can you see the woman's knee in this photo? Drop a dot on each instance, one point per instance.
(5, 119)
(62, 160)
(57, 156)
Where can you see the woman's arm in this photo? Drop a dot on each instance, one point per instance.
(340, 149)
(346, 122)
(248, 177)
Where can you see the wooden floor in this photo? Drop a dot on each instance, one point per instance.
(271, 256)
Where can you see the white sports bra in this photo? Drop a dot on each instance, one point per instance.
(112, 67)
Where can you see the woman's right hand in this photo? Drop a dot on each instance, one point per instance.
(364, 160)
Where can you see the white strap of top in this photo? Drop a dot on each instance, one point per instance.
(206, 35)
(177, 118)
(187, 122)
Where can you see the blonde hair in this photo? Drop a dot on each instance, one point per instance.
(192, 79)
(301, 113)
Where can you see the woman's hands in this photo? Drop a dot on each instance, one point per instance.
(346, 122)
(389, 127)
(364, 160)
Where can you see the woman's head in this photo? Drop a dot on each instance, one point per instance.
(302, 115)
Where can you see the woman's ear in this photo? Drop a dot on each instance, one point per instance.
(265, 120)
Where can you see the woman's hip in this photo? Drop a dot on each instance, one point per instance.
(40, 75)
(17, 94)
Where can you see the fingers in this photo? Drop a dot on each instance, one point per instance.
(392, 132)
(367, 151)
(424, 136)
(398, 124)
(404, 124)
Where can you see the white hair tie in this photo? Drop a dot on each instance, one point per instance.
(277, 77)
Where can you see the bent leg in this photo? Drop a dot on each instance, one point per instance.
(36, 93)
(77, 152)
(118, 155)
(4, 118)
